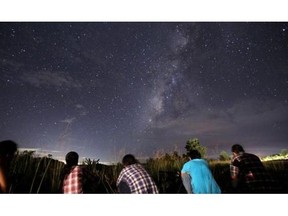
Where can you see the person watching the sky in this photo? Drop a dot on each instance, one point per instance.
(197, 177)
(72, 175)
(134, 179)
(249, 175)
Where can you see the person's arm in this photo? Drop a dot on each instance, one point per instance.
(123, 187)
(186, 180)
(234, 175)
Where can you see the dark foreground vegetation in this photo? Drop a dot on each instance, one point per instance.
(31, 174)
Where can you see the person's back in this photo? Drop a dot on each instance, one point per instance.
(135, 178)
(72, 175)
(202, 180)
(200, 175)
(72, 183)
(251, 174)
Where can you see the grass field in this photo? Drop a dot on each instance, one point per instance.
(31, 174)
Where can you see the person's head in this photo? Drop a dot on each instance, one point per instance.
(7, 149)
(72, 158)
(194, 154)
(237, 148)
(129, 159)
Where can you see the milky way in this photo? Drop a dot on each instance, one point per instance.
(105, 89)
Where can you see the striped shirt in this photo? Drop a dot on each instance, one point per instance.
(73, 181)
(138, 179)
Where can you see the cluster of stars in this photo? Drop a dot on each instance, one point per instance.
(122, 84)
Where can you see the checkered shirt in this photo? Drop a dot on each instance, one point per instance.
(249, 169)
(73, 181)
(138, 179)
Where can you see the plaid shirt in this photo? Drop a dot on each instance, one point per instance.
(251, 174)
(73, 181)
(138, 179)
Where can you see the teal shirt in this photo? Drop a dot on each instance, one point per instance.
(202, 180)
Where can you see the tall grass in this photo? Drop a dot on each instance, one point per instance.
(165, 170)
(104, 176)
(31, 174)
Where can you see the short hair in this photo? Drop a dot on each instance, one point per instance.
(237, 148)
(8, 147)
(129, 159)
(193, 154)
(72, 158)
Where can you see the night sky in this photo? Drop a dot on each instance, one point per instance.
(105, 89)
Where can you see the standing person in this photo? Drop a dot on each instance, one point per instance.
(197, 177)
(7, 151)
(134, 179)
(249, 175)
(72, 175)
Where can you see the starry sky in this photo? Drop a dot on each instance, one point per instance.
(105, 89)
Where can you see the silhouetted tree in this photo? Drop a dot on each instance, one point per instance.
(194, 144)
